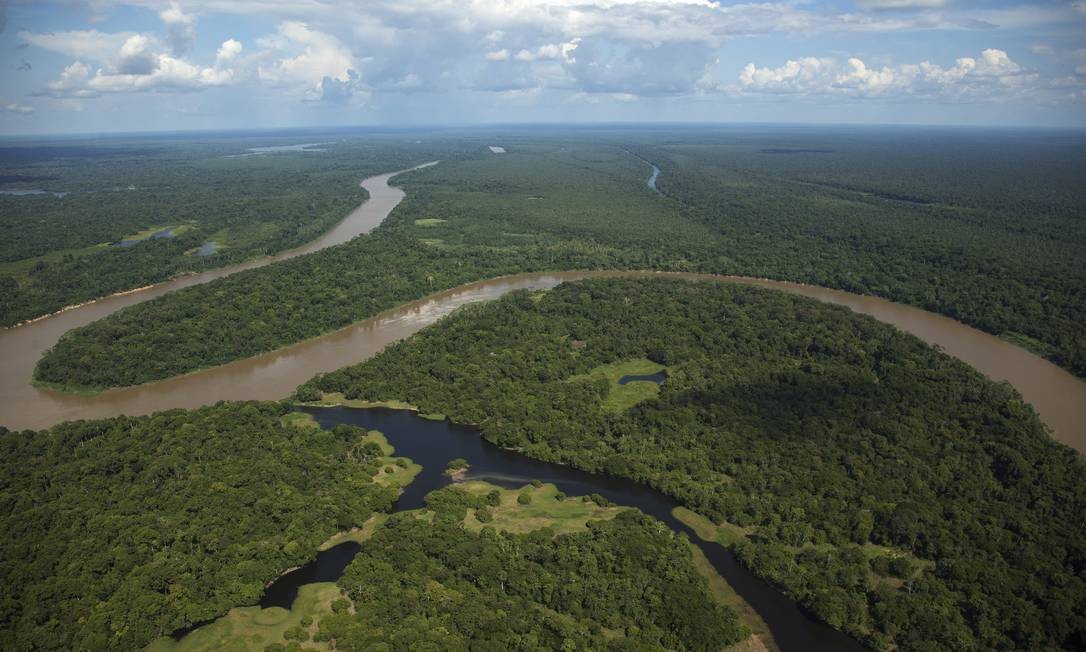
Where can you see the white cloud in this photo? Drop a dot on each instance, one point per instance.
(993, 75)
(15, 107)
(169, 74)
(87, 45)
(335, 51)
(182, 28)
(316, 55)
(550, 51)
(136, 66)
(228, 51)
(135, 57)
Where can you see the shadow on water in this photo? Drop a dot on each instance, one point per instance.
(433, 443)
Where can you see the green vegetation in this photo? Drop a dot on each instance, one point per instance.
(623, 397)
(545, 510)
(424, 581)
(726, 596)
(986, 227)
(56, 252)
(456, 467)
(120, 531)
(825, 439)
(570, 203)
(251, 629)
(1004, 259)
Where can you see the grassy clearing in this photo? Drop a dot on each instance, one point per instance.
(544, 511)
(178, 229)
(358, 534)
(430, 221)
(432, 242)
(726, 534)
(622, 397)
(398, 471)
(299, 420)
(726, 595)
(337, 398)
(20, 269)
(329, 399)
(250, 629)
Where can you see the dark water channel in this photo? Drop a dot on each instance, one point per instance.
(433, 443)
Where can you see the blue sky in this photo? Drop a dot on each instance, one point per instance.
(138, 65)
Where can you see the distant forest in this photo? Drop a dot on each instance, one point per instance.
(59, 251)
(985, 227)
(891, 490)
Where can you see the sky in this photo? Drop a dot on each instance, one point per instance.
(145, 65)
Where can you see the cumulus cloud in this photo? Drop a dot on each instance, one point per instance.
(992, 75)
(137, 64)
(338, 52)
(135, 57)
(182, 28)
(168, 74)
(306, 55)
(228, 51)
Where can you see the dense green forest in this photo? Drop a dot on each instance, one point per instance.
(424, 581)
(986, 227)
(57, 251)
(122, 530)
(852, 209)
(891, 490)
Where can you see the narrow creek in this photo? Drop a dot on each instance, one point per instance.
(433, 443)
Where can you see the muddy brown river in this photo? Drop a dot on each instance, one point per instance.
(1058, 397)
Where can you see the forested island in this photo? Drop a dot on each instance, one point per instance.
(889, 489)
(999, 251)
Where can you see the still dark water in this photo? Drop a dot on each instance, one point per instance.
(433, 443)
(658, 377)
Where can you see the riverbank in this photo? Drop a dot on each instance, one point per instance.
(1057, 396)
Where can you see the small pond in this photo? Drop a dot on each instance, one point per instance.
(658, 377)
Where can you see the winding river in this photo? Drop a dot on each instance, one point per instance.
(24, 406)
(433, 443)
(1058, 397)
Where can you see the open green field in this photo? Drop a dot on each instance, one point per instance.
(623, 397)
(251, 629)
(329, 399)
(545, 511)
